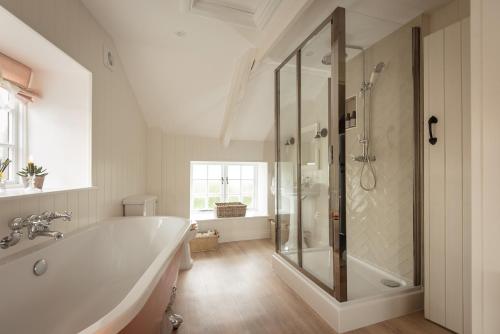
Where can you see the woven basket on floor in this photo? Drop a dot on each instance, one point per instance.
(205, 242)
(231, 209)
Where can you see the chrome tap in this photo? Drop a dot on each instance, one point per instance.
(13, 238)
(50, 216)
(36, 225)
(52, 234)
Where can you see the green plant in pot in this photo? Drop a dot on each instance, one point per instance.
(33, 175)
(3, 167)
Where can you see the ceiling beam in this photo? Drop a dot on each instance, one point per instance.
(237, 89)
(284, 17)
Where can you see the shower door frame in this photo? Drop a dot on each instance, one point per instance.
(339, 268)
(336, 148)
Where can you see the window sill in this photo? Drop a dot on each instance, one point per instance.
(16, 193)
(210, 215)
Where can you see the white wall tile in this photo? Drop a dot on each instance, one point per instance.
(380, 222)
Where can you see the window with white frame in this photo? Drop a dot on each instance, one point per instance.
(12, 132)
(213, 182)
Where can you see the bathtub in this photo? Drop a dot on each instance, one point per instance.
(114, 276)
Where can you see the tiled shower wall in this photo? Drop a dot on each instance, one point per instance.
(380, 222)
(118, 127)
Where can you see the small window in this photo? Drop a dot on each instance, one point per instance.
(12, 132)
(213, 182)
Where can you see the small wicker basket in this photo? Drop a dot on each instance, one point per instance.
(231, 209)
(205, 241)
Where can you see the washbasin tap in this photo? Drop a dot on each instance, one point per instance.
(35, 225)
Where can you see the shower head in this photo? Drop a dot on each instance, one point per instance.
(327, 59)
(379, 67)
(376, 71)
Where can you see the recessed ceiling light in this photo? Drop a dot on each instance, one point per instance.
(180, 33)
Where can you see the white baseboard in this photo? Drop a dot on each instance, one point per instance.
(349, 315)
(237, 229)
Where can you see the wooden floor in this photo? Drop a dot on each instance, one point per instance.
(234, 290)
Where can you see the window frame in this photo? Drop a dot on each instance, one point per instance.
(225, 184)
(17, 139)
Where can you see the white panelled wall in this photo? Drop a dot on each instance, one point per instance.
(82, 203)
(169, 158)
(446, 194)
(485, 160)
(118, 127)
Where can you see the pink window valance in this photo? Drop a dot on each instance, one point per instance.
(16, 77)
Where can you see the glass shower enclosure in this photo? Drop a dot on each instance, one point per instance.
(332, 175)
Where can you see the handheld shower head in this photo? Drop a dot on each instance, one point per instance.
(327, 59)
(376, 71)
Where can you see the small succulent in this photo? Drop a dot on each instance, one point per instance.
(32, 170)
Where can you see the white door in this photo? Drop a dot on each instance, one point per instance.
(446, 155)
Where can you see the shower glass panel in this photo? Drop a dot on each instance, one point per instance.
(288, 136)
(349, 156)
(314, 165)
(305, 147)
(380, 156)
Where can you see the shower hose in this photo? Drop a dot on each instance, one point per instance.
(368, 166)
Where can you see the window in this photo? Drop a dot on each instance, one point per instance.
(12, 130)
(213, 182)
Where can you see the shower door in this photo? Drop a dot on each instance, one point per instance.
(349, 168)
(310, 157)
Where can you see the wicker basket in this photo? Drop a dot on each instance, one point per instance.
(205, 241)
(231, 209)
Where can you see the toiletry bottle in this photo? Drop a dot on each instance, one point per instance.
(348, 121)
(353, 118)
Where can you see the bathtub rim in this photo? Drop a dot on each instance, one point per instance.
(68, 235)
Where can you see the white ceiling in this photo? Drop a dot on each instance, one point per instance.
(182, 83)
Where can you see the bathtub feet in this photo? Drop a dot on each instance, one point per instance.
(175, 320)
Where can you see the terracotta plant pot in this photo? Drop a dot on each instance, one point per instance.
(39, 182)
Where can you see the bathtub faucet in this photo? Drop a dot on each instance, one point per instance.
(36, 225)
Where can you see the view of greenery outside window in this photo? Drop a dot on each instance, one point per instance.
(223, 182)
(10, 132)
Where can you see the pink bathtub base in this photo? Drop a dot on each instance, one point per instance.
(150, 318)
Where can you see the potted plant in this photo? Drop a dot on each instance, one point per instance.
(33, 176)
(3, 167)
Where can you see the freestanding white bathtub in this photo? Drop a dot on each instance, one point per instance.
(102, 279)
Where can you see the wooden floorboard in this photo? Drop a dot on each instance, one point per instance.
(234, 290)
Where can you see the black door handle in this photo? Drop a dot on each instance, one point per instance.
(432, 120)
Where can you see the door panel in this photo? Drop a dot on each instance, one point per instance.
(444, 186)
